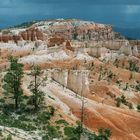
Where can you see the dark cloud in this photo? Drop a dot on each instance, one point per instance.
(120, 13)
(94, 2)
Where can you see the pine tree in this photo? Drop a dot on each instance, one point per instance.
(12, 81)
(37, 95)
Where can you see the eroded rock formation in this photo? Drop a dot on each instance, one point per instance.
(31, 34)
(82, 58)
(74, 80)
(127, 49)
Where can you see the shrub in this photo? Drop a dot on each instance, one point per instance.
(138, 87)
(23, 118)
(138, 107)
(70, 132)
(118, 102)
(126, 87)
(62, 122)
(133, 66)
(44, 117)
(123, 99)
(104, 133)
(10, 121)
(130, 105)
(45, 137)
(53, 132)
(119, 82)
(2, 100)
(51, 110)
(110, 75)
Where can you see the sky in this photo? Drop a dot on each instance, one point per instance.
(122, 14)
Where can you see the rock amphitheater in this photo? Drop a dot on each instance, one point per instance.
(81, 58)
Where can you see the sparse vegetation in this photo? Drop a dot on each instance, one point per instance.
(126, 87)
(119, 82)
(104, 133)
(25, 24)
(131, 76)
(122, 100)
(133, 66)
(72, 134)
(138, 86)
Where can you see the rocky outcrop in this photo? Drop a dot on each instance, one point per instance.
(129, 50)
(68, 46)
(77, 30)
(5, 38)
(31, 34)
(97, 51)
(56, 32)
(135, 50)
(74, 80)
(135, 43)
(126, 49)
(52, 41)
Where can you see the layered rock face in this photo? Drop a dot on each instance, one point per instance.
(29, 34)
(32, 34)
(135, 43)
(52, 41)
(57, 32)
(74, 80)
(77, 30)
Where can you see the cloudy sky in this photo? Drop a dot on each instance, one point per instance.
(120, 13)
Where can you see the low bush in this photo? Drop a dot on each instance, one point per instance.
(138, 107)
(122, 100)
(71, 133)
(62, 122)
(53, 132)
(104, 134)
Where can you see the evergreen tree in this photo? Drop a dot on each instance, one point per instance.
(37, 96)
(12, 81)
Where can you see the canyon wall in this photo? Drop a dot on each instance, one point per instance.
(96, 51)
(64, 29)
(109, 44)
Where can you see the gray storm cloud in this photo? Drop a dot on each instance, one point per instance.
(119, 13)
